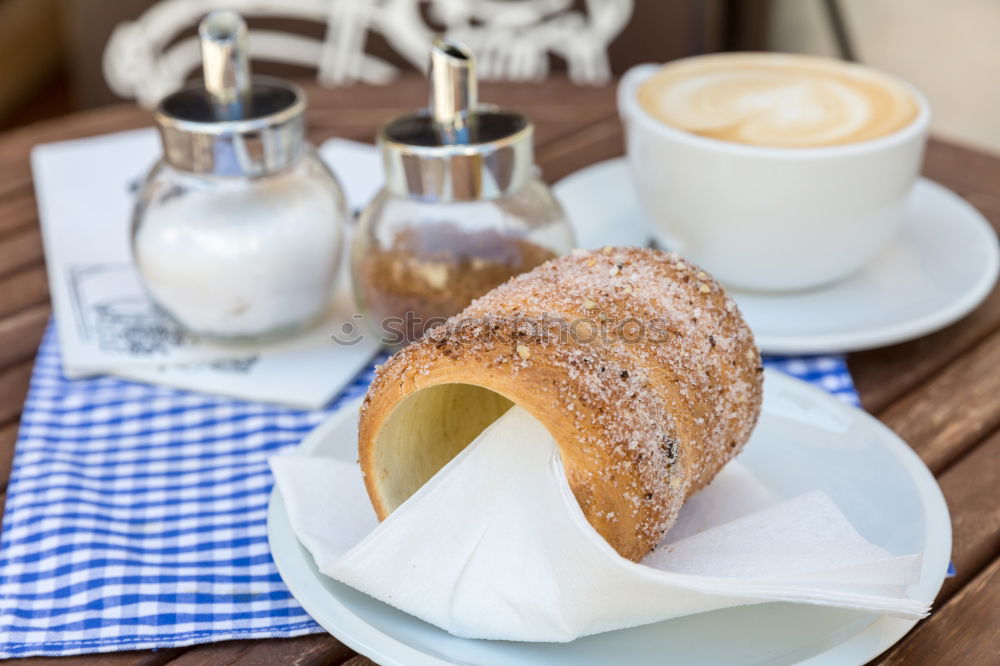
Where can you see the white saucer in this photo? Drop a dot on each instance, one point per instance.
(942, 265)
(806, 439)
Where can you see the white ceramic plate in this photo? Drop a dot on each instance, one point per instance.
(806, 439)
(942, 265)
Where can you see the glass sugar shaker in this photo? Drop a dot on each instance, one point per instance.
(462, 209)
(238, 230)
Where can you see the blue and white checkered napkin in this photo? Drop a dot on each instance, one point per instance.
(136, 514)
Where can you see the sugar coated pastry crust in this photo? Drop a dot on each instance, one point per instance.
(635, 360)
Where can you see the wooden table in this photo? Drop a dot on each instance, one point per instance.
(941, 393)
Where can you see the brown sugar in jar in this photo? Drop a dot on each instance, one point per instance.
(434, 270)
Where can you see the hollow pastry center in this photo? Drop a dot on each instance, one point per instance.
(777, 100)
(428, 429)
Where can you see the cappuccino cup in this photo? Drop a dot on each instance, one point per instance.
(775, 172)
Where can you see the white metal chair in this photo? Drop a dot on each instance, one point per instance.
(512, 39)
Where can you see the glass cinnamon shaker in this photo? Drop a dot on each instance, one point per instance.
(462, 209)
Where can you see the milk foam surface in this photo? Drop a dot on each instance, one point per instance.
(777, 99)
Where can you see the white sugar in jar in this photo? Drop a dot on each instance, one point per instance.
(238, 230)
(241, 258)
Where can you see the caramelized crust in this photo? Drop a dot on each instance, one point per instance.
(636, 361)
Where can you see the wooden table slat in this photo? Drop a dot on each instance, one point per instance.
(21, 332)
(131, 658)
(18, 213)
(963, 632)
(945, 417)
(359, 661)
(600, 141)
(8, 435)
(311, 650)
(23, 289)
(961, 167)
(15, 183)
(968, 487)
(884, 375)
(13, 388)
(20, 250)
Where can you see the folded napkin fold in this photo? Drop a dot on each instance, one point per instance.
(495, 546)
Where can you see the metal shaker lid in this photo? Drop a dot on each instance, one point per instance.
(457, 149)
(234, 124)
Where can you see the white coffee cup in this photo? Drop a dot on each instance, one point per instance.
(770, 218)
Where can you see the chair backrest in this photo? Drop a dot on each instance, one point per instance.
(512, 39)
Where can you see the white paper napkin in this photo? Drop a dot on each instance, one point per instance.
(495, 546)
(106, 324)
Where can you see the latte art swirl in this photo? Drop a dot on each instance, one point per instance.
(777, 100)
